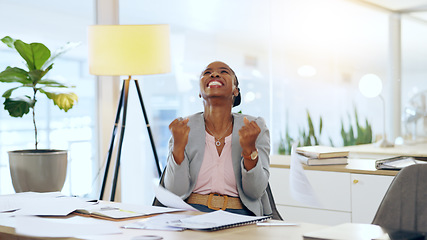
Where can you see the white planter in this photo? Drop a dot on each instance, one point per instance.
(42, 170)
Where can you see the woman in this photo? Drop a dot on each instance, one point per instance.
(219, 159)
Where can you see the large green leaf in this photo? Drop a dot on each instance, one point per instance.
(8, 41)
(64, 101)
(8, 93)
(18, 107)
(35, 54)
(14, 74)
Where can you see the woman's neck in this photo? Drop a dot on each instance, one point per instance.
(218, 118)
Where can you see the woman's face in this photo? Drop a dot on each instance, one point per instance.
(218, 80)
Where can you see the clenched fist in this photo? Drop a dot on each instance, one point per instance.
(248, 135)
(180, 131)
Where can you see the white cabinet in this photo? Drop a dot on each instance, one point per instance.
(343, 197)
(367, 192)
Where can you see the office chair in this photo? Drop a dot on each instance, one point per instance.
(274, 215)
(404, 205)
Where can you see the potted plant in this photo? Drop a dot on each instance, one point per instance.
(38, 170)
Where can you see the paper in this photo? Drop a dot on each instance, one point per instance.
(159, 222)
(11, 202)
(43, 204)
(39, 227)
(171, 200)
(300, 188)
(59, 206)
(350, 231)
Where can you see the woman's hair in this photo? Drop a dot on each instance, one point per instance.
(238, 98)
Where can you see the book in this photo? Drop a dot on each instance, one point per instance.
(216, 220)
(319, 151)
(322, 161)
(120, 211)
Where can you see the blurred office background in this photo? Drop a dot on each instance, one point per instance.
(290, 57)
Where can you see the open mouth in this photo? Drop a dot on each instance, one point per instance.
(214, 83)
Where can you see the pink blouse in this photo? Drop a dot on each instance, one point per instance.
(216, 173)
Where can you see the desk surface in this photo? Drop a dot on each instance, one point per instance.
(248, 232)
(355, 165)
(417, 149)
(362, 158)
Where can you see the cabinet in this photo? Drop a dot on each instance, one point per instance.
(343, 196)
(367, 192)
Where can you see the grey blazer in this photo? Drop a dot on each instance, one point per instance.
(251, 185)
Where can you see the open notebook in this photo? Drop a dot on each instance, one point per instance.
(216, 220)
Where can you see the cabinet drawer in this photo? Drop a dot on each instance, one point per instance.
(316, 216)
(331, 188)
(367, 193)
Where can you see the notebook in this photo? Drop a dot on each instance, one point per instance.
(216, 220)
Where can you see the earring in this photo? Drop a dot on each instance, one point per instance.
(200, 95)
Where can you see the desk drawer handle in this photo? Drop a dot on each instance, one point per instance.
(355, 181)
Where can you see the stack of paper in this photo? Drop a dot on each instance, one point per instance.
(321, 155)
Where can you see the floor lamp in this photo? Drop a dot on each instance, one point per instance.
(370, 86)
(117, 50)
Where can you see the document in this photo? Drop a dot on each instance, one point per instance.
(41, 204)
(159, 222)
(11, 202)
(300, 188)
(171, 200)
(40, 227)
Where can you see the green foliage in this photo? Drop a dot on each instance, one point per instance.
(362, 135)
(39, 60)
(310, 137)
(306, 137)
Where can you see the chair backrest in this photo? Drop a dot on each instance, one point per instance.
(161, 183)
(275, 214)
(404, 206)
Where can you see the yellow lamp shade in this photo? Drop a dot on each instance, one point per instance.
(116, 50)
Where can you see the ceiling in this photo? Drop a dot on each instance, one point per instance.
(415, 8)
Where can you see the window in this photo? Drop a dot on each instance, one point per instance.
(53, 24)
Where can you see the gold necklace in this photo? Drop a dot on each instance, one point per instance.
(218, 143)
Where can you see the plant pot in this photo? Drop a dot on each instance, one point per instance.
(42, 170)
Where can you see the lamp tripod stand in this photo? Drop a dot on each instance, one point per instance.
(123, 102)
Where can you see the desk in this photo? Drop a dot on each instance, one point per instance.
(418, 149)
(355, 165)
(348, 193)
(248, 232)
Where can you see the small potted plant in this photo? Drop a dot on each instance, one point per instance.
(37, 170)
